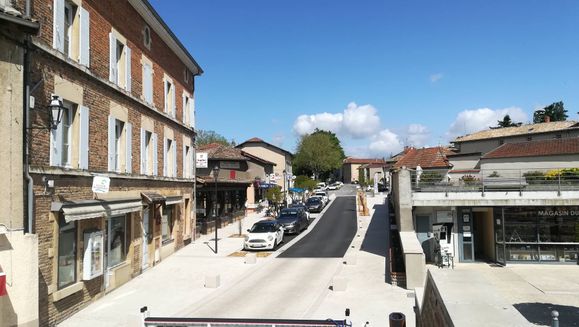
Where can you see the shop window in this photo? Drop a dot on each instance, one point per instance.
(66, 253)
(167, 224)
(117, 240)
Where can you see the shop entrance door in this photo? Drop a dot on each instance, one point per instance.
(466, 232)
(145, 259)
(423, 233)
(499, 223)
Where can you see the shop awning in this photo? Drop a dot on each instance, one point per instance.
(152, 197)
(173, 200)
(100, 209)
(296, 190)
(267, 185)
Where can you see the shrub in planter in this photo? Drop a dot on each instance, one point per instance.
(430, 177)
(534, 177)
(470, 180)
(494, 174)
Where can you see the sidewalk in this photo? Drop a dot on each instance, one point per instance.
(176, 285)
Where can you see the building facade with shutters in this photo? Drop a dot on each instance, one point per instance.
(127, 128)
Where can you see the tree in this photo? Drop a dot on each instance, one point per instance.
(318, 153)
(556, 112)
(334, 140)
(305, 182)
(507, 122)
(207, 137)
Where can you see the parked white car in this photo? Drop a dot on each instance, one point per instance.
(324, 196)
(264, 235)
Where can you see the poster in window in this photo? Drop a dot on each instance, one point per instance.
(93, 255)
(466, 217)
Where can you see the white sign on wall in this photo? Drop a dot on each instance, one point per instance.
(201, 160)
(100, 184)
(92, 263)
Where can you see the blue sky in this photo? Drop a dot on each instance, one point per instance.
(381, 74)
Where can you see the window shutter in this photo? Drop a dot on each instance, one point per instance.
(193, 157)
(155, 158)
(129, 143)
(58, 26)
(84, 53)
(165, 96)
(147, 83)
(165, 155)
(192, 112)
(83, 138)
(174, 146)
(55, 146)
(143, 170)
(184, 108)
(129, 79)
(184, 172)
(112, 156)
(112, 58)
(174, 104)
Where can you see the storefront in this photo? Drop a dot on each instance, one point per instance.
(230, 204)
(518, 234)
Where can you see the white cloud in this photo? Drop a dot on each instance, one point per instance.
(355, 121)
(278, 140)
(384, 143)
(417, 135)
(473, 120)
(436, 77)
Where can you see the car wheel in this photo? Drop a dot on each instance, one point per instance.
(274, 245)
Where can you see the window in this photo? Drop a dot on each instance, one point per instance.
(119, 61)
(66, 253)
(188, 110)
(147, 37)
(148, 152)
(71, 31)
(501, 142)
(148, 82)
(187, 162)
(170, 158)
(169, 96)
(117, 234)
(167, 223)
(119, 146)
(69, 141)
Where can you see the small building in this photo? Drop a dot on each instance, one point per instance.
(351, 168)
(280, 157)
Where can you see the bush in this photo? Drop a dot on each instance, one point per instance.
(565, 174)
(495, 174)
(534, 177)
(470, 180)
(430, 177)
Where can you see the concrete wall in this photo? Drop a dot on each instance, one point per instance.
(523, 164)
(19, 260)
(464, 162)
(414, 260)
(431, 311)
(402, 193)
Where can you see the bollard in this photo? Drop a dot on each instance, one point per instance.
(397, 319)
(555, 318)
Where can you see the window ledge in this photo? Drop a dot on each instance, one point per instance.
(67, 291)
(167, 242)
(56, 170)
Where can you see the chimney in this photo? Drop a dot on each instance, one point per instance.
(547, 119)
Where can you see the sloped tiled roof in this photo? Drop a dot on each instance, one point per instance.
(220, 151)
(519, 130)
(425, 158)
(351, 160)
(537, 148)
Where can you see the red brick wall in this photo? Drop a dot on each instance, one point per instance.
(130, 24)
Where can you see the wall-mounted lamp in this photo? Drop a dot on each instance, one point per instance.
(56, 109)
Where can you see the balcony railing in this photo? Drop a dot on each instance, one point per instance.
(492, 180)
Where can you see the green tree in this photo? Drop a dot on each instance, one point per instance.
(207, 137)
(361, 177)
(318, 154)
(334, 140)
(507, 122)
(556, 112)
(305, 182)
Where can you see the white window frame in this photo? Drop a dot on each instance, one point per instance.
(69, 108)
(169, 92)
(119, 127)
(68, 27)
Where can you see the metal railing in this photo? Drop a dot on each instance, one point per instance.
(492, 180)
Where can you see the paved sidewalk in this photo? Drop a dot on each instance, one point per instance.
(176, 285)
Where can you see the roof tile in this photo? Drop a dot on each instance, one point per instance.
(536, 148)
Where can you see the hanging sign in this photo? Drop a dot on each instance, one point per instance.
(201, 160)
(100, 184)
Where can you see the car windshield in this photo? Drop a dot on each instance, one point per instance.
(313, 200)
(288, 212)
(262, 228)
(321, 193)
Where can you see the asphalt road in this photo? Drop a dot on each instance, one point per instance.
(331, 236)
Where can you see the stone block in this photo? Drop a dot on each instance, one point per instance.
(212, 281)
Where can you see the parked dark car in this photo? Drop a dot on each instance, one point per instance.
(315, 204)
(303, 207)
(293, 220)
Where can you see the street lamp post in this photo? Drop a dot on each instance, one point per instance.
(215, 175)
(284, 188)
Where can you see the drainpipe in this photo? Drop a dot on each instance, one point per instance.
(28, 223)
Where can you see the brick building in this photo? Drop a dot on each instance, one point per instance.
(127, 88)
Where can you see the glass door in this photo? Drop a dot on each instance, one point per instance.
(466, 233)
(499, 225)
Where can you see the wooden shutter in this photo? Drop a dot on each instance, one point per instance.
(174, 104)
(58, 25)
(174, 146)
(84, 53)
(165, 155)
(184, 108)
(83, 138)
(165, 99)
(143, 165)
(184, 172)
(129, 144)
(192, 112)
(128, 78)
(112, 141)
(56, 146)
(148, 83)
(155, 156)
(113, 58)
